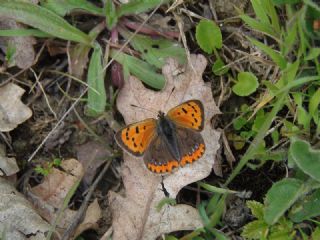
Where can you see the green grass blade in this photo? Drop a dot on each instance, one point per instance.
(214, 189)
(43, 19)
(23, 33)
(272, 13)
(259, 26)
(260, 11)
(63, 7)
(276, 57)
(96, 98)
(138, 6)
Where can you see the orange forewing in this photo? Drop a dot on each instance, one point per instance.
(136, 137)
(189, 114)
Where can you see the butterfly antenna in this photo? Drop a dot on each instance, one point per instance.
(165, 104)
(145, 109)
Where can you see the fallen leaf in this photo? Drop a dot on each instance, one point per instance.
(24, 54)
(12, 110)
(50, 195)
(18, 219)
(135, 216)
(93, 214)
(8, 166)
(92, 155)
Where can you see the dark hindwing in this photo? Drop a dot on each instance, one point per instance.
(158, 158)
(191, 145)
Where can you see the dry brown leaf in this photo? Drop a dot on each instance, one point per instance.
(50, 195)
(24, 52)
(92, 155)
(18, 219)
(8, 166)
(12, 110)
(135, 215)
(78, 60)
(93, 214)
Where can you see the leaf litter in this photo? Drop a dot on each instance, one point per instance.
(135, 215)
(49, 197)
(12, 110)
(18, 219)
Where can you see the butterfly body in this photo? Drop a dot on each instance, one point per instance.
(166, 130)
(168, 142)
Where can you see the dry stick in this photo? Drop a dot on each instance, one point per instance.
(86, 89)
(82, 210)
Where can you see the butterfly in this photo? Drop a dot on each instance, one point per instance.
(171, 141)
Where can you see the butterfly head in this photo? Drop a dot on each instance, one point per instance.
(161, 115)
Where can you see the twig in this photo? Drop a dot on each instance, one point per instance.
(82, 210)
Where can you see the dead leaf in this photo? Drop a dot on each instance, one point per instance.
(8, 166)
(92, 155)
(12, 110)
(135, 216)
(49, 196)
(18, 219)
(93, 214)
(78, 60)
(24, 53)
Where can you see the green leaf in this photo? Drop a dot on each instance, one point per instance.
(23, 33)
(215, 189)
(138, 6)
(218, 235)
(203, 213)
(111, 14)
(208, 36)
(316, 233)
(275, 136)
(313, 106)
(97, 98)
(165, 201)
(256, 209)
(303, 117)
(275, 56)
(258, 121)
(306, 158)
(142, 70)
(258, 26)
(255, 230)
(247, 83)
(43, 19)
(260, 11)
(283, 230)
(239, 122)
(290, 38)
(307, 208)
(171, 238)
(280, 198)
(219, 68)
(280, 2)
(313, 54)
(156, 51)
(63, 7)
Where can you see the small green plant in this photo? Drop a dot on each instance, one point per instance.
(45, 171)
(260, 229)
(209, 38)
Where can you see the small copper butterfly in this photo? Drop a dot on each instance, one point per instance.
(168, 142)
